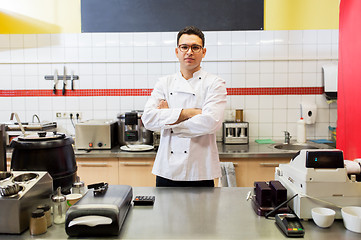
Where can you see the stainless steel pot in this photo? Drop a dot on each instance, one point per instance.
(132, 130)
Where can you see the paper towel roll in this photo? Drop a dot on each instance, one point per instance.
(309, 112)
(352, 167)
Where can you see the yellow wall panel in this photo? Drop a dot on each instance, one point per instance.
(39, 16)
(64, 16)
(301, 14)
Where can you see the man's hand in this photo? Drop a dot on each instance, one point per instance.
(163, 104)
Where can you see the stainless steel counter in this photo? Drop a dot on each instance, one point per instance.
(251, 150)
(200, 213)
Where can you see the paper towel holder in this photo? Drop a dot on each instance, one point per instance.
(309, 112)
(329, 77)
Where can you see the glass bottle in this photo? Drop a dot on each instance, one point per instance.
(59, 207)
(78, 187)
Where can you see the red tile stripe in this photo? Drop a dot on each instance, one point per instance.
(147, 92)
(75, 93)
(276, 91)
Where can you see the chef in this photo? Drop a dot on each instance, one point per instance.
(187, 108)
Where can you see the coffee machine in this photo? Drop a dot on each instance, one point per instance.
(132, 130)
(131, 127)
(235, 132)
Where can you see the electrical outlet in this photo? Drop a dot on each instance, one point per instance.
(66, 115)
(78, 115)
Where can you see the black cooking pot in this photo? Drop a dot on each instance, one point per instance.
(51, 152)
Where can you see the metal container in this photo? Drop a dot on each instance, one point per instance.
(13, 129)
(96, 134)
(132, 130)
(34, 189)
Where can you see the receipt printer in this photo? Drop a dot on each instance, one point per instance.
(99, 214)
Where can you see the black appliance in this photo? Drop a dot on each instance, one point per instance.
(51, 152)
(2, 148)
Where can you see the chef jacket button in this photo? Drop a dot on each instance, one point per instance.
(185, 151)
(171, 93)
(171, 131)
(171, 152)
(193, 94)
(200, 78)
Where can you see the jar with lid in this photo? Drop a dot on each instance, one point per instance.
(37, 222)
(78, 187)
(46, 209)
(59, 207)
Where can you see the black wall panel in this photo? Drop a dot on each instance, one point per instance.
(170, 15)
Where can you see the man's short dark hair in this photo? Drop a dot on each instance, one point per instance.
(190, 30)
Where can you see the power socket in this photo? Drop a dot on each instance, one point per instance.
(66, 115)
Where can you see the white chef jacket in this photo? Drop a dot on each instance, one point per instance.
(188, 150)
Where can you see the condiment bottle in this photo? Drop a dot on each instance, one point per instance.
(239, 115)
(59, 207)
(78, 187)
(301, 131)
(46, 209)
(37, 222)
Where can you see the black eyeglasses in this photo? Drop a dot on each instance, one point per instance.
(195, 48)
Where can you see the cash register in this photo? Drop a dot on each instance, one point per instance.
(320, 179)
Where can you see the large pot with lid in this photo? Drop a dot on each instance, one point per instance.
(51, 152)
(132, 130)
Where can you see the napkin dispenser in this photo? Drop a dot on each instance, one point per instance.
(330, 80)
(99, 214)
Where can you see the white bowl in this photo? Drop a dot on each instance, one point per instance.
(323, 217)
(352, 218)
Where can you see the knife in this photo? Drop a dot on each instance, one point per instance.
(72, 80)
(55, 81)
(64, 81)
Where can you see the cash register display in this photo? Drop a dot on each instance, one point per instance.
(332, 159)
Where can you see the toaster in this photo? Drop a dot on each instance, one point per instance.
(235, 132)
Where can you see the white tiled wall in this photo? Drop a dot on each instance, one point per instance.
(245, 59)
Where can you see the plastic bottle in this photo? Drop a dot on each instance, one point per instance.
(301, 131)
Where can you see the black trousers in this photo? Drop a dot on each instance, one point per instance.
(164, 182)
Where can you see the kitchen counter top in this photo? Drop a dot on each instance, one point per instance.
(200, 213)
(251, 150)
